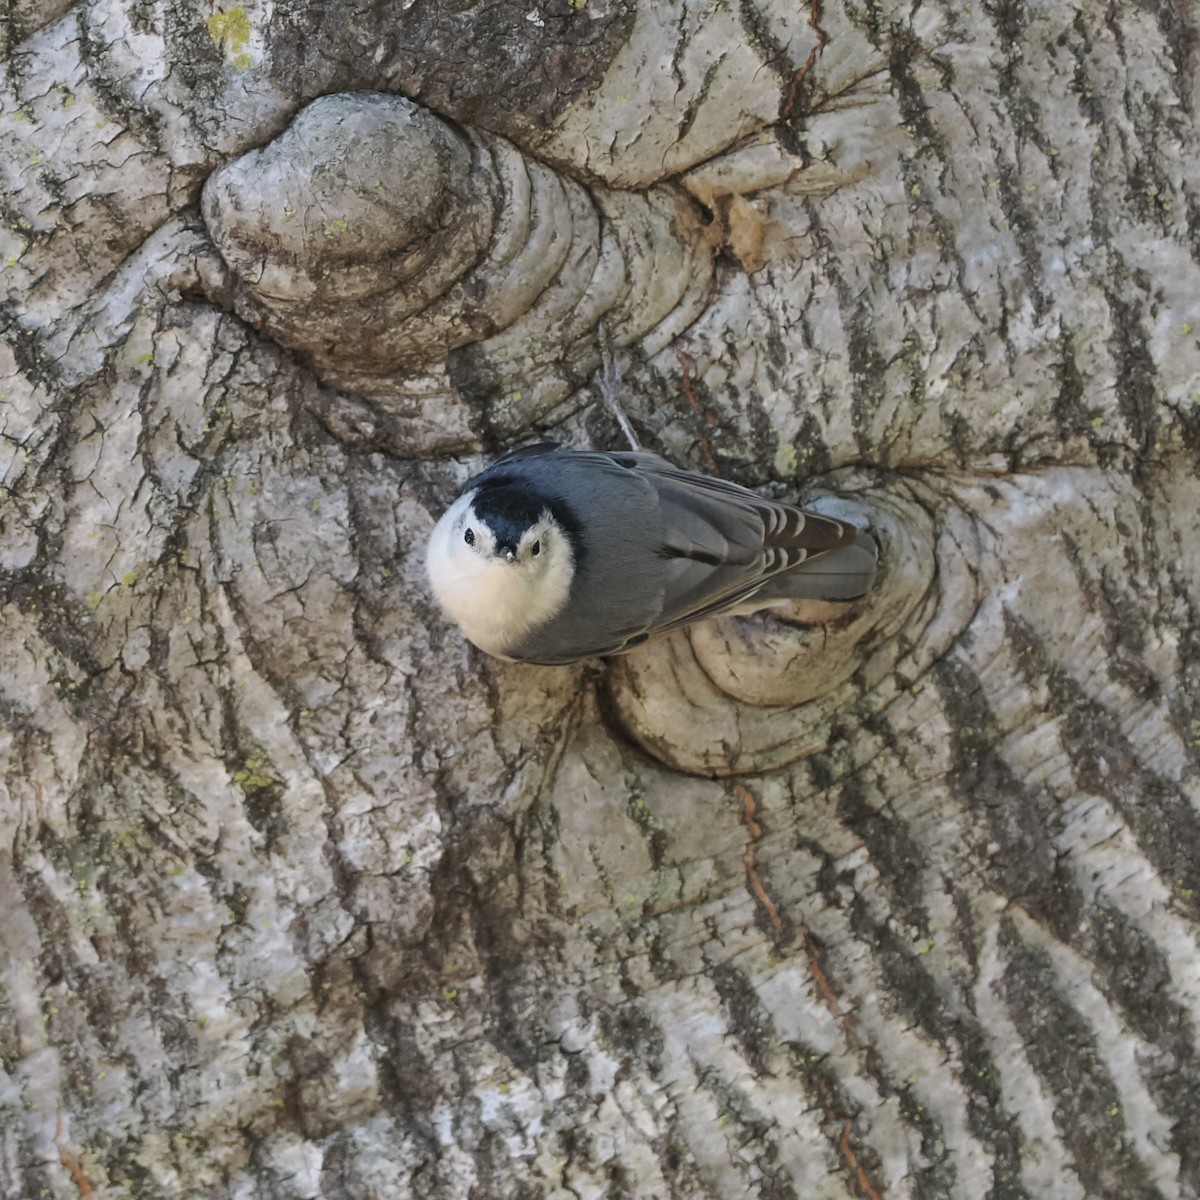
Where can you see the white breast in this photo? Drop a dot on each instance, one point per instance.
(496, 603)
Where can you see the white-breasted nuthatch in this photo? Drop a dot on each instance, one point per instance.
(553, 555)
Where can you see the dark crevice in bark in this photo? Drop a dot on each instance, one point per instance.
(1063, 1051)
(1017, 818)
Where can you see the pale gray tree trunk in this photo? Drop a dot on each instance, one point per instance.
(301, 896)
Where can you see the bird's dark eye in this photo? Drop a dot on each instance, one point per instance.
(469, 537)
(536, 548)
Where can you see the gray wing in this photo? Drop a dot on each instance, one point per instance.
(726, 544)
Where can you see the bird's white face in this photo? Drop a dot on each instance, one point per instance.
(496, 580)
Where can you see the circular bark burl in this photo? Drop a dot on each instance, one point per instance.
(453, 284)
(745, 695)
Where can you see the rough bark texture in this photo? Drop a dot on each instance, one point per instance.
(302, 897)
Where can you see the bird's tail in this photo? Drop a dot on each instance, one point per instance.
(843, 574)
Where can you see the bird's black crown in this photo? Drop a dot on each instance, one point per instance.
(509, 509)
(509, 512)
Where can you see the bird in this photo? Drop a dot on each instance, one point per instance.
(553, 555)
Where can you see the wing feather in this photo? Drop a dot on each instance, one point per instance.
(734, 541)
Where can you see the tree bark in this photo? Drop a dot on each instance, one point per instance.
(304, 897)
